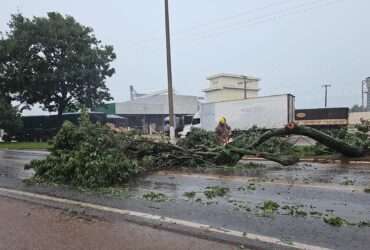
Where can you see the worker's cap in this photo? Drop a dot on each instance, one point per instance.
(222, 120)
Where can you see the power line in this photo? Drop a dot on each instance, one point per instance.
(265, 19)
(305, 7)
(227, 18)
(251, 23)
(236, 16)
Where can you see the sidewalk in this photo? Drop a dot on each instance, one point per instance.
(31, 226)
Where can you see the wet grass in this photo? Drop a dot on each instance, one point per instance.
(155, 197)
(215, 191)
(25, 145)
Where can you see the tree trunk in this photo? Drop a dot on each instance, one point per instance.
(325, 139)
(61, 110)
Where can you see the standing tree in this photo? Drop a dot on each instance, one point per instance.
(10, 119)
(54, 61)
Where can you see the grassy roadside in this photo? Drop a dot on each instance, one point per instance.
(25, 145)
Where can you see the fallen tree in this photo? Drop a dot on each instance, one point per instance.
(92, 155)
(336, 144)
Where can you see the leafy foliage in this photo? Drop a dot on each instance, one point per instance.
(190, 195)
(335, 221)
(87, 155)
(10, 119)
(198, 137)
(156, 197)
(270, 206)
(358, 108)
(215, 191)
(54, 61)
(91, 155)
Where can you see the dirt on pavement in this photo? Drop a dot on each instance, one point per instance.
(31, 226)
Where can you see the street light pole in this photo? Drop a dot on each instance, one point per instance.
(169, 73)
(326, 86)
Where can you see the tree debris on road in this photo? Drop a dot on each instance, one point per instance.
(91, 155)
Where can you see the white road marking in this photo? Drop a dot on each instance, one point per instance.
(190, 224)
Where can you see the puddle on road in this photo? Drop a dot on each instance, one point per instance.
(302, 173)
(305, 190)
(12, 164)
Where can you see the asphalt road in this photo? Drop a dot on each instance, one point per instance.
(305, 193)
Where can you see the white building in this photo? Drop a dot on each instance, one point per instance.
(158, 105)
(227, 87)
(151, 110)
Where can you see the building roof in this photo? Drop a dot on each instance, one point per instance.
(158, 104)
(232, 76)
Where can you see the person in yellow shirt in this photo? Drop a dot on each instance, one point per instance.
(223, 131)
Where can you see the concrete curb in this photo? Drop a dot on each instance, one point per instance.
(253, 241)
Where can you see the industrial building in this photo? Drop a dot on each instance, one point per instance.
(149, 112)
(230, 87)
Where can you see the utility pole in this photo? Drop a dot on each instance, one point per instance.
(366, 83)
(326, 86)
(169, 73)
(362, 94)
(245, 86)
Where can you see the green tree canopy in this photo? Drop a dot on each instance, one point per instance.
(357, 108)
(54, 61)
(10, 119)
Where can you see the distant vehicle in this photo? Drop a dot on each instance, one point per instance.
(265, 112)
(323, 117)
(180, 123)
(195, 123)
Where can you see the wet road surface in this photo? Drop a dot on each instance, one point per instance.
(31, 226)
(305, 193)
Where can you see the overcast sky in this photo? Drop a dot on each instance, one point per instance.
(294, 46)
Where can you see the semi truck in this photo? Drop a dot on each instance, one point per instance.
(266, 112)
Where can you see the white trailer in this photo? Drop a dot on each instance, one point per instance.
(267, 112)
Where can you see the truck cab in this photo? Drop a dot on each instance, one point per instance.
(195, 123)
